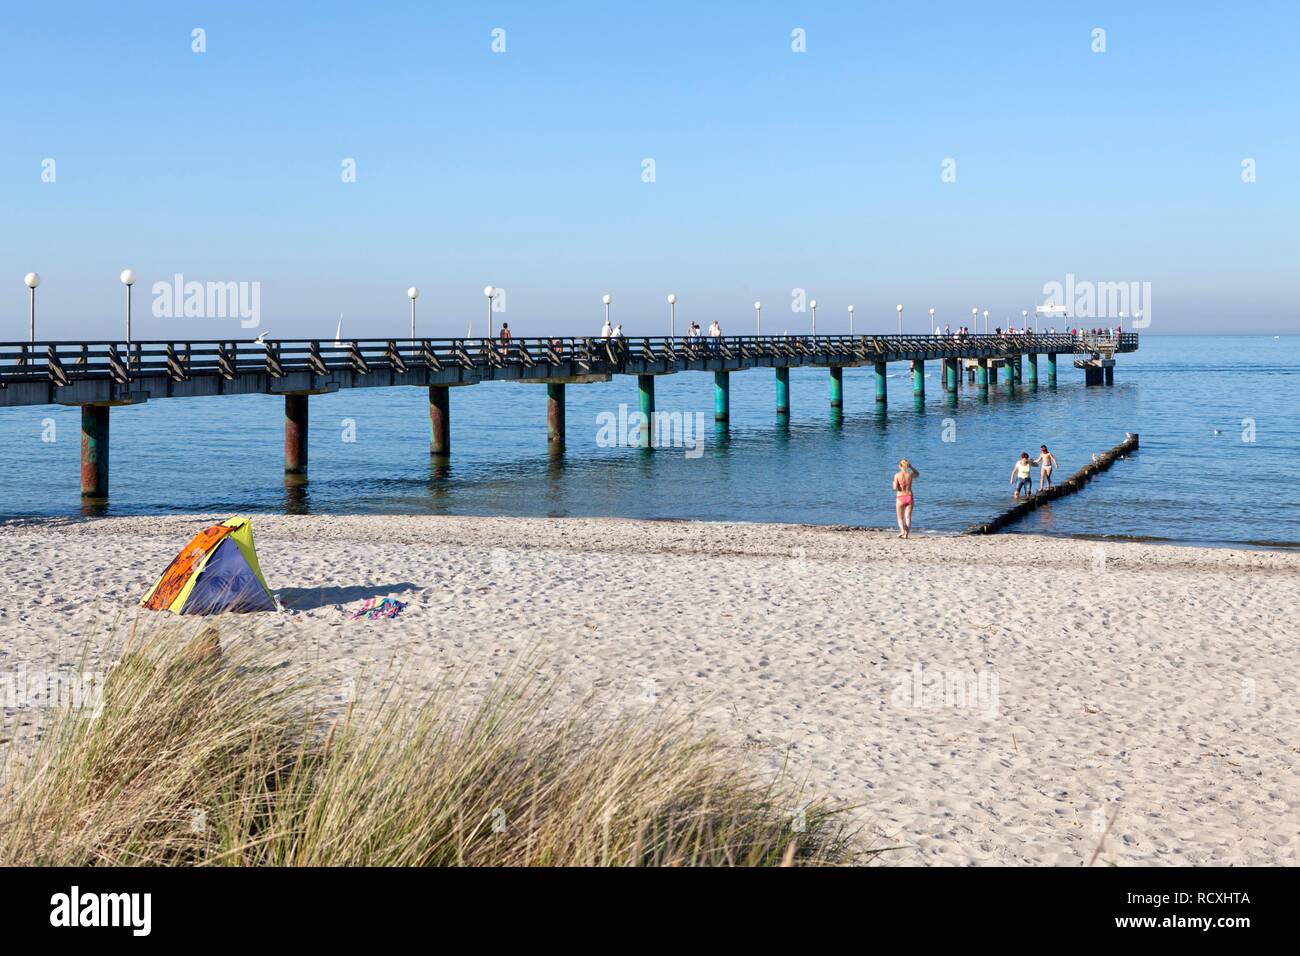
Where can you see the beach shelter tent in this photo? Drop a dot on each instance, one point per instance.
(217, 571)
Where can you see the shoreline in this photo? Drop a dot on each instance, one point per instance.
(982, 699)
(69, 520)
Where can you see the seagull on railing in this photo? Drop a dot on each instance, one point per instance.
(261, 339)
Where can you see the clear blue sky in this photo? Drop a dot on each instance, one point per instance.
(775, 170)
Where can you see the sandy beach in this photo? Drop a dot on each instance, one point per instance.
(1010, 699)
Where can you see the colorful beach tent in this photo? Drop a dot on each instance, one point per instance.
(215, 572)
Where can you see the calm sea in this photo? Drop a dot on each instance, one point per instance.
(1219, 419)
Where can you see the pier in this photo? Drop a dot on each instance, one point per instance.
(97, 376)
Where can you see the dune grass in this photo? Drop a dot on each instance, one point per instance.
(197, 753)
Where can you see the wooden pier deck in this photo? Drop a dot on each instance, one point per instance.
(100, 375)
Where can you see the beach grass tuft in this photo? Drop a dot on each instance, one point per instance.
(205, 749)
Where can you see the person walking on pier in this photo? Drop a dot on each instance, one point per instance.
(505, 339)
(1046, 462)
(903, 497)
(1021, 474)
(606, 330)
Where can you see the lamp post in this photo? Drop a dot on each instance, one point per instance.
(128, 280)
(986, 321)
(899, 307)
(1024, 320)
(672, 315)
(758, 318)
(490, 293)
(32, 280)
(813, 306)
(932, 321)
(850, 320)
(606, 300)
(412, 293)
(975, 321)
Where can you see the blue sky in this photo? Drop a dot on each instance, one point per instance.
(774, 170)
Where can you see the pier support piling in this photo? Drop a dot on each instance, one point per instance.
(295, 434)
(993, 371)
(1110, 374)
(950, 375)
(1033, 369)
(982, 373)
(439, 420)
(555, 417)
(918, 378)
(837, 386)
(882, 388)
(645, 390)
(94, 452)
(1051, 369)
(782, 392)
(721, 396)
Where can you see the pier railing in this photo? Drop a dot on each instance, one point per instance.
(63, 363)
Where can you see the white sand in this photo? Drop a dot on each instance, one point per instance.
(1154, 685)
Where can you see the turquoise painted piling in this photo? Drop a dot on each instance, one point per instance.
(882, 388)
(982, 373)
(1051, 369)
(837, 386)
(721, 396)
(782, 391)
(918, 378)
(1033, 369)
(94, 452)
(645, 389)
(993, 372)
(950, 375)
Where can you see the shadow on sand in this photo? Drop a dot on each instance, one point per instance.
(306, 599)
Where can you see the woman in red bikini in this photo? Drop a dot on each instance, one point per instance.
(903, 499)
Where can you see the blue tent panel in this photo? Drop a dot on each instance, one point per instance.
(227, 583)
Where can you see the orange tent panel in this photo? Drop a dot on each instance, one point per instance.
(182, 567)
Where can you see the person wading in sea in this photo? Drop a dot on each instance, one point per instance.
(1046, 463)
(903, 498)
(1020, 475)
